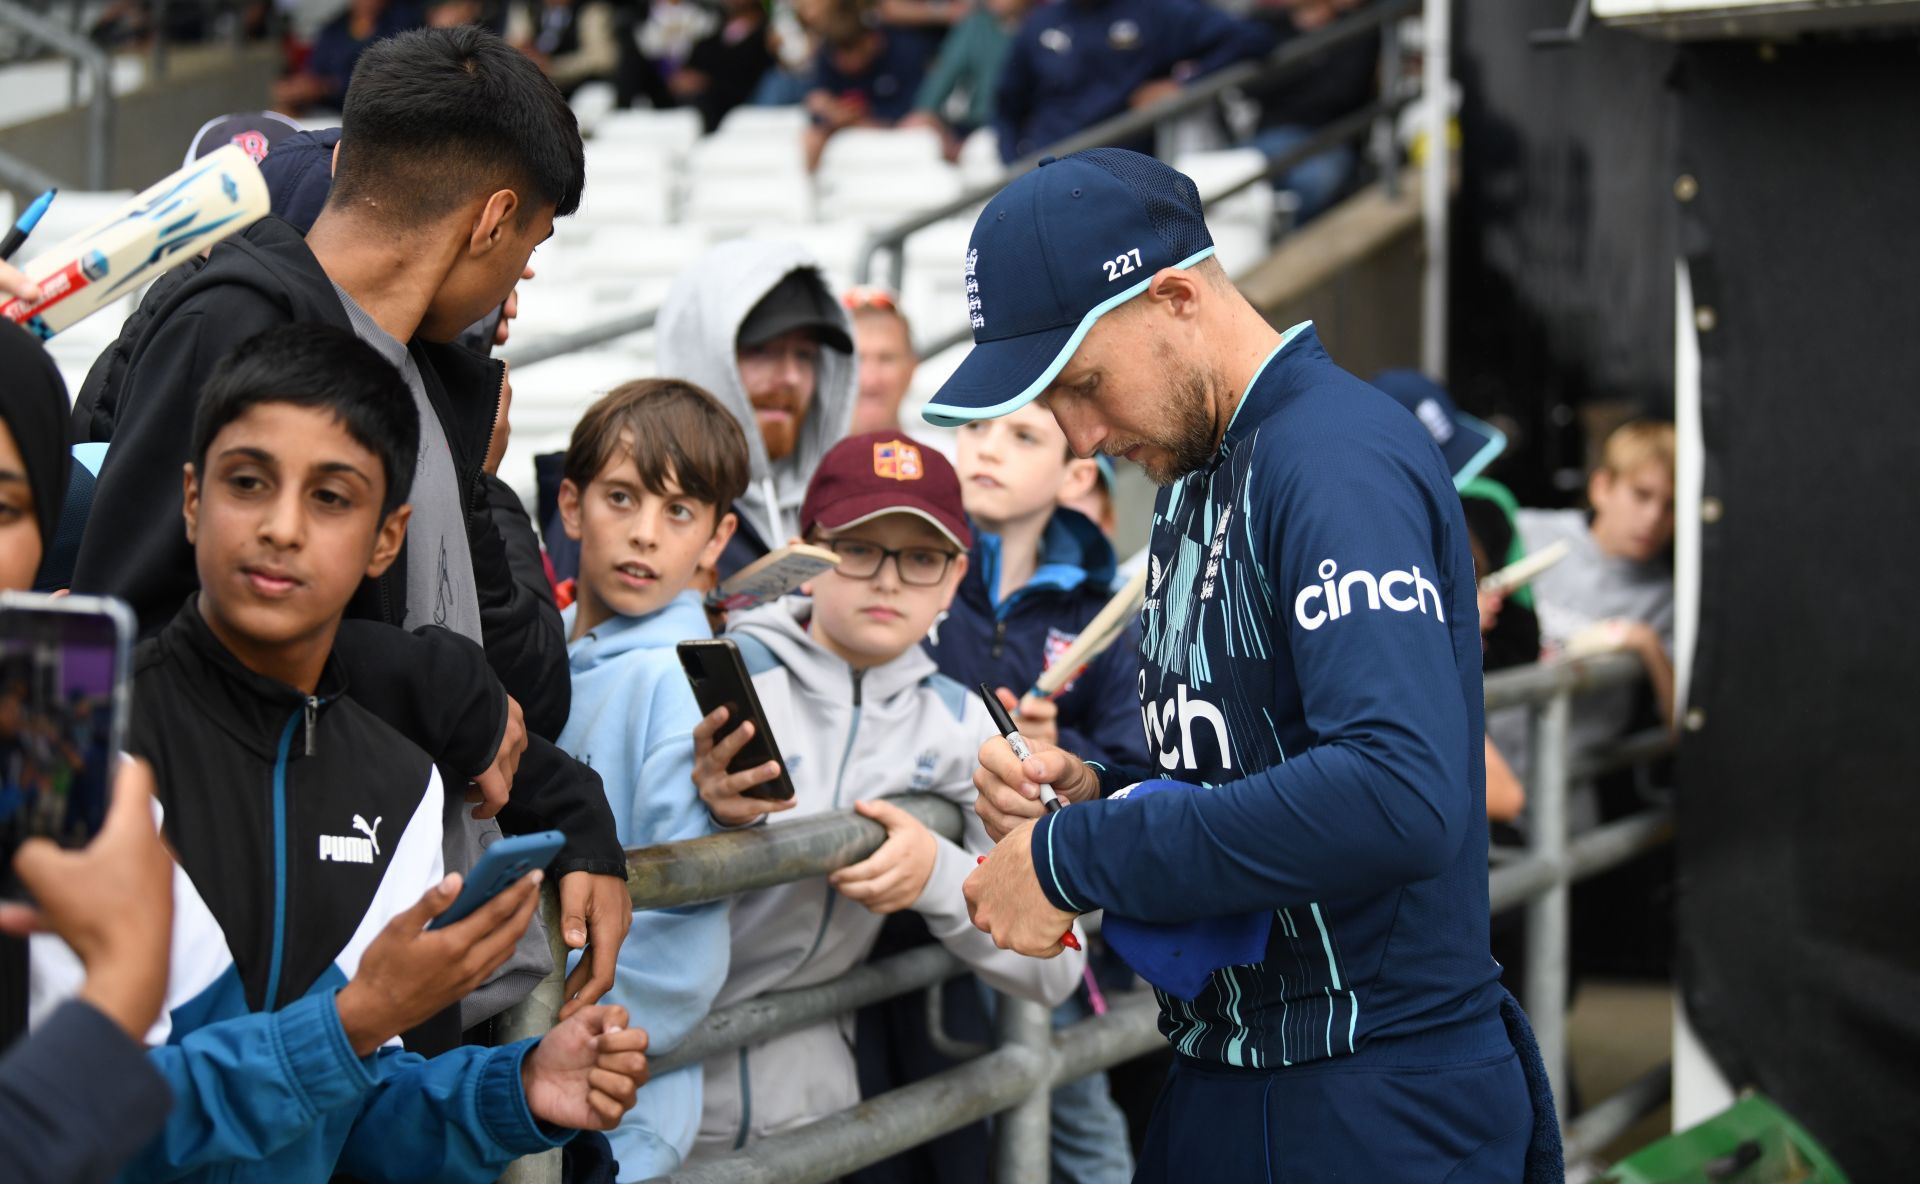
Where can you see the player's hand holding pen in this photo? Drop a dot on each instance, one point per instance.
(1009, 785)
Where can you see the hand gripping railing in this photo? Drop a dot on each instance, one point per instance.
(1015, 1078)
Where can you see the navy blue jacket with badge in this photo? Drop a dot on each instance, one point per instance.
(1075, 63)
(1011, 642)
(1311, 651)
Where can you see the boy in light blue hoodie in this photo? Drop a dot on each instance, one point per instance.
(650, 472)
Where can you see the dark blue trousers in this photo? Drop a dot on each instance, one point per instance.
(1354, 1120)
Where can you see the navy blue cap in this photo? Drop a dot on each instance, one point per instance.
(1054, 251)
(299, 176)
(257, 132)
(1468, 445)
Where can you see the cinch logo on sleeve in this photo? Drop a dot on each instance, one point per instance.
(1331, 599)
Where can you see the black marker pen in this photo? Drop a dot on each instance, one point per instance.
(1004, 722)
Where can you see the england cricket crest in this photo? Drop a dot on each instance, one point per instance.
(897, 460)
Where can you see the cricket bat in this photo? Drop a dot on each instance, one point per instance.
(1093, 641)
(1526, 570)
(211, 199)
(771, 576)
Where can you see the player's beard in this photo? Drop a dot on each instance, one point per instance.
(1187, 440)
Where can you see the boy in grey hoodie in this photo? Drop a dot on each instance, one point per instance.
(860, 712)
(650, 474)
(754, 323)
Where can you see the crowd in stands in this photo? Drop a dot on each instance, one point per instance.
(1029, 74)
(347, 615)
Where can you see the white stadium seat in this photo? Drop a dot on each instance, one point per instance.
(878, 150)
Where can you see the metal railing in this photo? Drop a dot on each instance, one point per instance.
(72, 44)
(1015, 1077)
(1296, 55)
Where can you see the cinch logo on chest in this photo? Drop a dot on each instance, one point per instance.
(350, 848)
(1330, 600)
(1170, 728)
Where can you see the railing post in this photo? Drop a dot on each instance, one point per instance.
(1383, 128)
(1546, 924)
(1435, 186)
(533, 1016)
(1022, 1136)
(157, 14)
(84, 53)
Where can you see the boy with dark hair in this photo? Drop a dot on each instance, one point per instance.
(306, 833)
(651, 475)
(455, 156)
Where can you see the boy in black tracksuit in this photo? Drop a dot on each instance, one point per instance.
(305, 830)
(455, 156)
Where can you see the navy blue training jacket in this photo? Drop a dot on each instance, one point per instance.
(1010, 643)
(1311, 651)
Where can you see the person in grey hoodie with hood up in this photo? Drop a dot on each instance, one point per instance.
(755, 323)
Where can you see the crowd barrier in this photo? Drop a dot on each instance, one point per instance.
(1012, 1080)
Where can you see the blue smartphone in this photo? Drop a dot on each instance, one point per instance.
(500, 867)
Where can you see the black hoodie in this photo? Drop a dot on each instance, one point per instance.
(142, 396)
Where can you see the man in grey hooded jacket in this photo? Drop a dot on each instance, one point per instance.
(755, 323)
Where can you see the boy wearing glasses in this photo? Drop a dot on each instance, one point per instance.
(859, 713)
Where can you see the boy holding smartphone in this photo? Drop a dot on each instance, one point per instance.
(860, 713)
(650, 474)
(307, 833)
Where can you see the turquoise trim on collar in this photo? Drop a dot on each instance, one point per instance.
(942, 416)
(1286, 339)
(1495, 445)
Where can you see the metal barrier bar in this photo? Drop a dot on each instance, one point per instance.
(532, 1016)
(1547, 914)
(1612, 1116)
(85, 54)
(905, 1117)
(878, 1127)
(778, 1012)
(1515, 882)
(1023, 1133)
(1524, 685)
(1436, 187)
(587, 338)
(700, 870)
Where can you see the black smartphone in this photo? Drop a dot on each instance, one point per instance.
(720, 679)
(64, 665)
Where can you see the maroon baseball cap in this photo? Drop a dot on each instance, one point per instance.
(865, 476)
